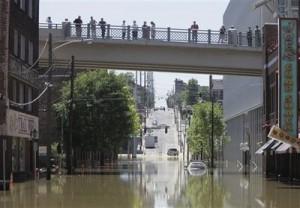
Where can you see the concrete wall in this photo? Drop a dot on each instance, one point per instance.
(241, 14)
(241, 94)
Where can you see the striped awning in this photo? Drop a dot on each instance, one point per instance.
(268, 144)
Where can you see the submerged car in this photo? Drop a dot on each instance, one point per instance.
(172, 152)
(197, 168)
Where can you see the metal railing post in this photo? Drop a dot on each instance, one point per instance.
(128, 32)
(88, 31)
(209, 36)
(108, 31)
(169, 34)
(189, 35)
(240, 39)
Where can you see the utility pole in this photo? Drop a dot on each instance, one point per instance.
(212, 124)
(69, 147)
(49, 98)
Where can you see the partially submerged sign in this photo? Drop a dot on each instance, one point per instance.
(282, 136)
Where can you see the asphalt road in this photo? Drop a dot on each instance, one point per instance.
(165, 140)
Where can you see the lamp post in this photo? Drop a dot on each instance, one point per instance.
(212, 124)
(34, 138)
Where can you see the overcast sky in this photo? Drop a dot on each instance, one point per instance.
(165, 13)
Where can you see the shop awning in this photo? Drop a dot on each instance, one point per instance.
(276, 145)
(265, 146)
(283, 148)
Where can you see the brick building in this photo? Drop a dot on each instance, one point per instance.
(19, 49)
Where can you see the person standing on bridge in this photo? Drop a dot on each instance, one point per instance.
(124, 29)
(249, 37)
(66, 26)
(222, 34)
(49, 21)
(93, 24)
(78, 23)
(145, 30)
(194, 29)
(135, 30)
(102, 24)
(153, 30)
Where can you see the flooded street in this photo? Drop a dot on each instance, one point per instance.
(151, 184)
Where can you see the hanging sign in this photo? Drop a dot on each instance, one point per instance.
(288, 76)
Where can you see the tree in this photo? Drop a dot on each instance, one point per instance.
(105, 112)
(199, 132)
(191, 95)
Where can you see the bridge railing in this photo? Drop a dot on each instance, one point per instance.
(116, 32)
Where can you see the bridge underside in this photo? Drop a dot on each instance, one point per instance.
(158, 56)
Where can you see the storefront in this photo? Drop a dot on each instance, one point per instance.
(281, 160)
(21, 134)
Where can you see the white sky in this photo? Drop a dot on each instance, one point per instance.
(165, 13)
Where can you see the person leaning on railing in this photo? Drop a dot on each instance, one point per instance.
(78, 23)
(135, 30)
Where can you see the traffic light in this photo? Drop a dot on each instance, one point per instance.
(166, 130)
(145, 130)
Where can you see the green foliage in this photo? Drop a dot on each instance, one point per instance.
(199, 132)
(191, 95)
(104, 109)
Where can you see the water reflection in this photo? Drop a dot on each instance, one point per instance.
(152, 184)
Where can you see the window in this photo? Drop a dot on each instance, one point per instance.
(23, 4)
(29, 99)
(21, 94)
(30, 52)
(30, 10)
(14, 90)
(23, 48)
(16, 43)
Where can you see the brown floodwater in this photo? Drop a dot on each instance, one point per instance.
(152, 184)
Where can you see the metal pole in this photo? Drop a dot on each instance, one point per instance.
(212, 123)
(49, 98)
(4, 163)
(70, 142)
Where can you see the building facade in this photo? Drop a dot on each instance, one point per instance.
(19, 51)
(247, 108)
(243, 96)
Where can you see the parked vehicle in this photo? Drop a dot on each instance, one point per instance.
(197, 168)
(149, 142)
(172, 152)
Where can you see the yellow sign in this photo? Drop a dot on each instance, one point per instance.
(280, 135)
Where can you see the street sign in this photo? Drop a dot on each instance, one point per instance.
(282, 136)
(288, 76)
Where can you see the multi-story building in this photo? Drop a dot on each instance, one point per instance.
(244, 96)
(19, 49)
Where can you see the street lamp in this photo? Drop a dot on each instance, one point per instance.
(34, 138)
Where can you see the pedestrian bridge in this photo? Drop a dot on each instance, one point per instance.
(171, 50)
